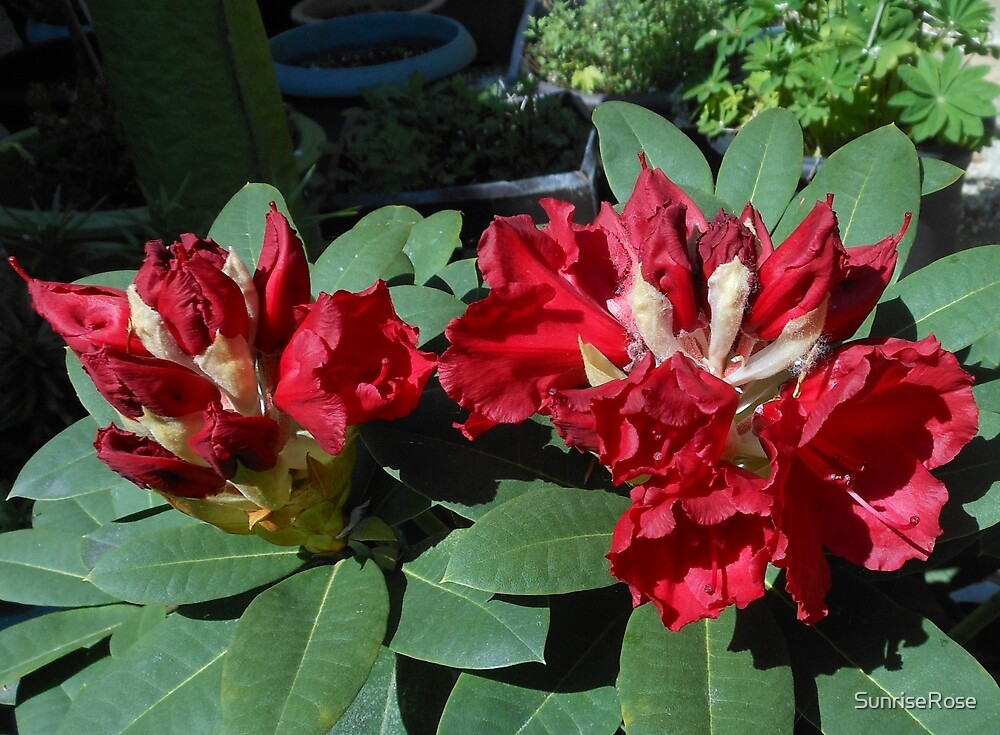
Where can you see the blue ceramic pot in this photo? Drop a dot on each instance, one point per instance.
(451, 49)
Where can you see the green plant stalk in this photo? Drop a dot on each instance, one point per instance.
(195, 86)
(971, 625)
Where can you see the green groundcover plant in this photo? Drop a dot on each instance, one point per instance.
(705, 448)
(846, 68)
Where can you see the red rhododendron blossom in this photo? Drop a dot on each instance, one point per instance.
(233, 390)
(658, 340)
(853, 442)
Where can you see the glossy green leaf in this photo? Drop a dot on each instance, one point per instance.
(168, 682)
(540, 543)
(870, 647)
(83, 514)
(99, 542)
(572, 693)
(65, 467)
(33, 643)
(240, 224)
(428, 309)
(937, 174)
(191, 563)
(41, 713)
(135, 627)
(763, 165)
(482, 633)
(427, 453)
(875, 181)
(432, 242)
(625, 130)
(401, 696)
(707, 678)
(363, 254)
(462, 277)
(953, 298)
(44, 566)
(303, 650)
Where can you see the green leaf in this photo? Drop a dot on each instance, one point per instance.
(875, 181)
(99, 542)
(953, 298)
(42, 713)
(65, 467)
(937, 174)
(543, 542)
(428, 454)
(462, 277)
(30, 645)
(135, 627)
(708, 677)
(482, 633)
(363, 254)
(432, 242)
(303, 650)
(91, 399)
(84, 514)
(240, 224)
(625, 130)
(572, 693)
(44, 566)
(428, 309)
(763, 165)
(191, 563)
(869, 646)
(168, 682)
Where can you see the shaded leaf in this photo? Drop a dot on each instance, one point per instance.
(706, 678)
(573, 693)
(482, 633)
(869, 646)
(542, 542)
(303, 649)
(428, 309)
(30, 645)
(191, 563)
(427, 453)
(44, 566)
(168, 682)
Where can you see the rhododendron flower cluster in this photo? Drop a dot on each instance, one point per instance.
(699, 361)
(238, 394)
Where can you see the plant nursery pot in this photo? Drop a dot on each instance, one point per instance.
(441, 46)
(665, 104)
(314, 11)
(479, 203)
(127, 222)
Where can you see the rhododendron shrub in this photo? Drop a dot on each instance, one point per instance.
(238, 394)
(700, 361)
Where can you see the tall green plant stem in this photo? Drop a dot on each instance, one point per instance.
(196, 89)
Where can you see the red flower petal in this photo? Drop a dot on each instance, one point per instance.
(867, 273)
(352, 360)
(673, 414)
(149, 465)
(799, 275)
(87, 317)
(282, 281)
(851, 452)
(689, 570)
(131, 383)
(665, 262)
(192, 294)
(227, 438)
